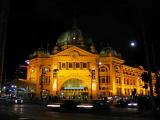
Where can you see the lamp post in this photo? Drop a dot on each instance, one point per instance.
(56, 71)
(41, 83)
(99, 64)
(91, 75)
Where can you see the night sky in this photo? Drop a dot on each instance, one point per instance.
(113, 22)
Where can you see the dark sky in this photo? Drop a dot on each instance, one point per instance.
(116, 22)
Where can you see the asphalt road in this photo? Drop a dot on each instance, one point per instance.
(37, 112)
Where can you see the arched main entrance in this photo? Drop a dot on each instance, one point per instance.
(74, 89)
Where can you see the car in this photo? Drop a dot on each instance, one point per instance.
(63, 105)
(85, 107)
(54, 106)
(15, 100)
(70, 104)
(4, 99)
(100, 104)
(132, 104)
(18, 100)
(93, 106)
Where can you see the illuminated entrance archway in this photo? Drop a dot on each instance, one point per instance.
(74, 89)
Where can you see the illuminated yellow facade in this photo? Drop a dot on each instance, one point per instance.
(75, 69)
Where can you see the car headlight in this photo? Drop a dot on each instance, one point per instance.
(54, 106)
(129, 104)
(134, 104)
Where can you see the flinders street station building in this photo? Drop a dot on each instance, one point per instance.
(73, 68)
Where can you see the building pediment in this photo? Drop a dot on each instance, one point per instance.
(75, 52)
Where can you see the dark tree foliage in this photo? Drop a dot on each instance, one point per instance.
(145, 77)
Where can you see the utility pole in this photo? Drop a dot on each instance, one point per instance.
(4, 11)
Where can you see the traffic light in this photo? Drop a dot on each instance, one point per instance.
(145, 77)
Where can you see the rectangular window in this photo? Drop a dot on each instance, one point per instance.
(107, 79)
(70, 65)
(93, 74)
(84, 65)
(133, 82)
(102, 79)
(77, 65)
(118, 91)
(127, 82)
(63, 65)
(128, 91)
(118, 80)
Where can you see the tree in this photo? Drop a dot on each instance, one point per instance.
(145, 86)
(145, 77)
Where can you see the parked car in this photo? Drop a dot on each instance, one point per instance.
(4, 99)
(15, 100)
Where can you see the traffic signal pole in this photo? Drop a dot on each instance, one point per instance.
(149, 71)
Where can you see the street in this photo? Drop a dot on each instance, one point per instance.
(37, 112)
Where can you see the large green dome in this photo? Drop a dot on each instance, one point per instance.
(71, 37)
